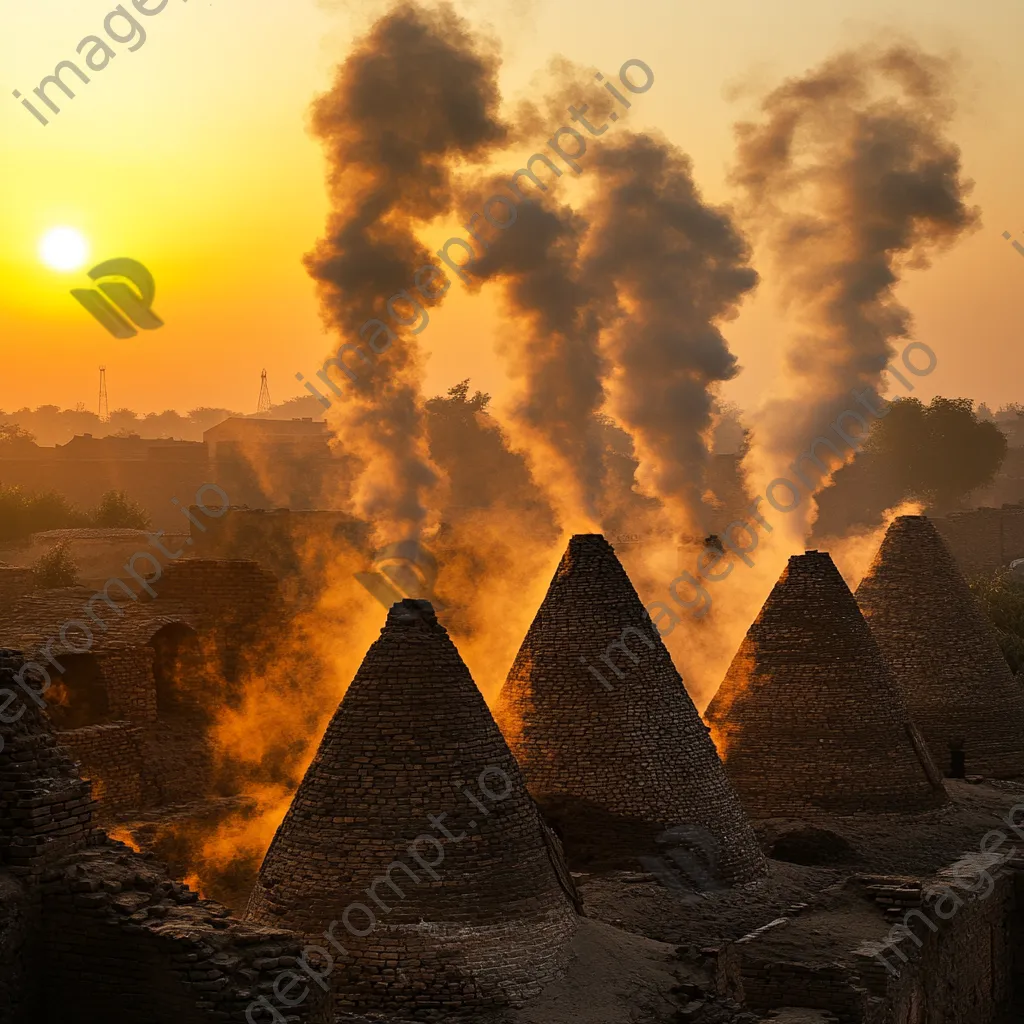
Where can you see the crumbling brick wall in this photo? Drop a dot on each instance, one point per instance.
(285, 541)
(111, 757)
(984, 539)
(237, 601)
(45, 807)
(126, 943)
(20, 935)
(131, 688)
(90, 931)
(959, 969)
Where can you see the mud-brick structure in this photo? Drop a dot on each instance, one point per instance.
(94, 933)
(609, 740)
(413, 829)
(808, 716)
(943, 653)
(133, 675)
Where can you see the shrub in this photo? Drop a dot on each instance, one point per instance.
(55, 568)
(22, 513)
(116, 509)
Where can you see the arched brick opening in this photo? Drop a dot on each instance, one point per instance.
(177, 661)
(78, 695)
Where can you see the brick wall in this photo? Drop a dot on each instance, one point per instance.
(984, 539)
(111, 756)
(961, 969)
(123, 942)
(45, 807)
(131, 688)
(20, 935)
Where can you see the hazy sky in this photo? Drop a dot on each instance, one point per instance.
(191, 155)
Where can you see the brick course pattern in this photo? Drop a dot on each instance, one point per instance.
(45, 807)
(637, 754)
(943, 651)
(111, 757)
(131, 688)
(984, 539)
(125, 943)
(410, 739)
(94, 933)
(808, 713)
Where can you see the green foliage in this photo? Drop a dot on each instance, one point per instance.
(56, 568)
(116, 509)
(22, 513)
(938, 452)
(1002, 597)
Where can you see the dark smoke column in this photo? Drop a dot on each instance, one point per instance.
(677, 267)
(416, 94)
(851, 177)
(550, 347)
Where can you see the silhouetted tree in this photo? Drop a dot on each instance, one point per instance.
(938, 452)
(116, 509)
(473, 450)
(23, 513)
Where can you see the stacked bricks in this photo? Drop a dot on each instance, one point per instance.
(943, 651)
(412, 751)
(45, 808)
(984, 539)
(237, 601)
(125, 943)
(131, 689)
(810, 717)
(895, 895)
(633, 749)
(111, 757)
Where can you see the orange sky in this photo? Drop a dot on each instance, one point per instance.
(190, 155)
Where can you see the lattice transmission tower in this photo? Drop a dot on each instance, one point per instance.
(263, 405)
(104, 410)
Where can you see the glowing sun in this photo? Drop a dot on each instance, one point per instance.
(63, 249)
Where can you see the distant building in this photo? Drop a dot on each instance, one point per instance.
(85, 447)
(242, 437)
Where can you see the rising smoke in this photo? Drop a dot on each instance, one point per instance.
(678, 268)
(550, 346)
(851, 178)
(415, 95)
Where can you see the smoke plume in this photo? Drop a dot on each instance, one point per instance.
(550, 347)
(415, 95)
(678, 267)
(851, 177)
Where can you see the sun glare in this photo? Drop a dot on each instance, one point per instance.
(63, 249)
